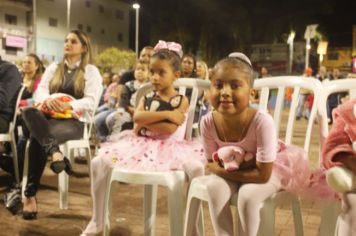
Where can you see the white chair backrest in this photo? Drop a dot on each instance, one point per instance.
(12, 125)
(182, 84)
(329, 87)
(282, 83)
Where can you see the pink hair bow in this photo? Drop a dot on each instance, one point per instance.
(172, 46)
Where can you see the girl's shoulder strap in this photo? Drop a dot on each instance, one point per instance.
(176, 100)
(147, 99)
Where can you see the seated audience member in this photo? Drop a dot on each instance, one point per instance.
(67, 93)
(10, 83)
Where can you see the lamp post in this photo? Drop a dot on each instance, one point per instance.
(290, 41)
(34, 26)
(68, 15)
(309, 33)
(136, 6)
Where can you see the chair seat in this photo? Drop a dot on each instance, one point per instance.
(147, 177)
(5, 137)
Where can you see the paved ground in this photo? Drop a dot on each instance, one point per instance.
(127, 208)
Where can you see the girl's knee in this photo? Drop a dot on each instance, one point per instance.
(193, 169)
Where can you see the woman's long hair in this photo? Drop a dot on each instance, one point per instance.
(38, 73)
(86, 59)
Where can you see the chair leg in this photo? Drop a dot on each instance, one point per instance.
(149, 205)
(267, 223)
(107, 207)
(329, 216)
(175, 208)
(63, 185)
(15, 158)
(25, 170)
(194, 206)
(63, 190)
(297, 217)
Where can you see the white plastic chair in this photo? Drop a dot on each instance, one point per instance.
(173, 180)
(331, 209)
(10, 135)
(198, 191)
(67, 149)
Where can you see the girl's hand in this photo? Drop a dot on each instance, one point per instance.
(177, 117)
(214, 167)
(137, 129)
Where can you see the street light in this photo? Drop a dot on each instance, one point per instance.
(290, 41)
(136, 6)
(68, 15)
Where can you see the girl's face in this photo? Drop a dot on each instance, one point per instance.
(230, 91)
(201, 70)
(162, 74)
(72, 46)
(187, 66)
(29, 65)
(141, 72)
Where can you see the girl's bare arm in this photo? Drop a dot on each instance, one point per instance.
(260, 174)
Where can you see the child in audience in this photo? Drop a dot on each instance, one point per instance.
(127, 102)
(233, 122)
(157, 141)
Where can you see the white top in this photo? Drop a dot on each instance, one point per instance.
(92, 91)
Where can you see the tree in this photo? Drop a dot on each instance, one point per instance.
(114, 59)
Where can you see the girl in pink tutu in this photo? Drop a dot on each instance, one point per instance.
(233, 122)
(157, 141)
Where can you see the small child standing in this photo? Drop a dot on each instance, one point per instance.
(124, 113)
(233, 122)
(157, 141)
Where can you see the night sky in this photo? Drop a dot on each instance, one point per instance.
(220, 26)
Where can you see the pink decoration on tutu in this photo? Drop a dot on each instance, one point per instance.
(172, 46)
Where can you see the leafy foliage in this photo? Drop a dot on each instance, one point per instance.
(114, 59)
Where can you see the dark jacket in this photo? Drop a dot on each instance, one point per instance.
(10, 83)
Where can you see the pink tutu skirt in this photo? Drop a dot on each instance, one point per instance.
(291, 166)
(131, 152)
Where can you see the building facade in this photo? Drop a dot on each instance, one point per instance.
(15, 29)
(105, 21)
(275, 57)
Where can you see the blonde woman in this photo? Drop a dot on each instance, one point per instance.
(74, 76)
(202, 70)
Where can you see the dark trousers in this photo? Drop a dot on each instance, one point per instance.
(45, 135)
(4, 125)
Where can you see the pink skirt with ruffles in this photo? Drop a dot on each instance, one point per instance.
(131, 152)
(291, 167)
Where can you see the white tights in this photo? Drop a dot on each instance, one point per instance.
(250, 199)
